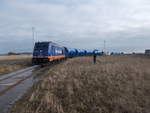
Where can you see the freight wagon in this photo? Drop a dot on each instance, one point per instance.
(70, 52)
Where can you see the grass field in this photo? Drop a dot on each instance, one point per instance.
(116, 84)
(14, 62)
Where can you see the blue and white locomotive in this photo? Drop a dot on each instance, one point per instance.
(47, 51)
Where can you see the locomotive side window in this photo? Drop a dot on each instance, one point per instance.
(49, 50)
(58, 51)
(53, 51)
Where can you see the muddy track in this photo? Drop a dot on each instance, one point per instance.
(8, 81)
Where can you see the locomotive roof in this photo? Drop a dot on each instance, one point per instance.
(50, 42)
(45, 42)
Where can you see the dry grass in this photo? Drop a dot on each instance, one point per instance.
(14, 57)
(13, 63)
(116, 84)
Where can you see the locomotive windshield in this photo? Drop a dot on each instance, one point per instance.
(41, 46)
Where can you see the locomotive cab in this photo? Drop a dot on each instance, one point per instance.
(40, 53)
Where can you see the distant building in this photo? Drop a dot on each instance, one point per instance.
(147, 52)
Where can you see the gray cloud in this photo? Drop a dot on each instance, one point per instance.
(86, 24)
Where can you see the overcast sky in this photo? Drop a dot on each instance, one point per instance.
(124, 24)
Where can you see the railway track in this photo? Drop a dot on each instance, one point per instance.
(8, 81)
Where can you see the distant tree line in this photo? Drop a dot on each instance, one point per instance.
(14, 53)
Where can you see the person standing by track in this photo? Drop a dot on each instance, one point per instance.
(94, 57)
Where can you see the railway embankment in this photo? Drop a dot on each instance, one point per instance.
(13, 63)
(115, 84)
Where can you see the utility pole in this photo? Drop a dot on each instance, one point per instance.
(104, 45)
(33, 35)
